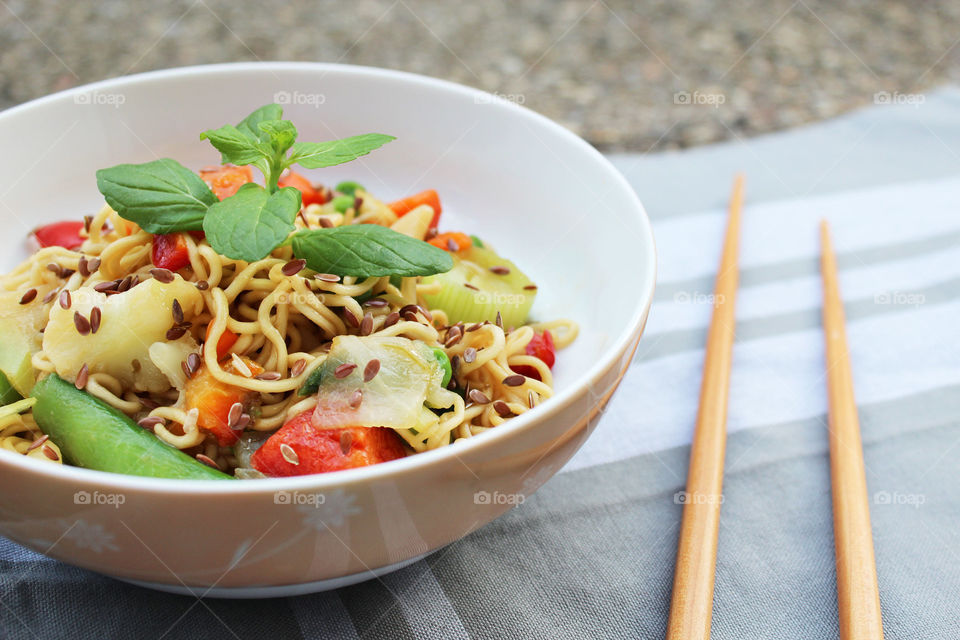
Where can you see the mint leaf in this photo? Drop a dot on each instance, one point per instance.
(236, 146)
(251, 223)
(280, 133)
(250, 124)
(368, 250)
(161, 196)
(315, 155)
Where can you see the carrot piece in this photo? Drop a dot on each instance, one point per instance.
(227, 339)
(299, 448)
(405, 205)
(213, 399)
(225, 180)
(452, 241)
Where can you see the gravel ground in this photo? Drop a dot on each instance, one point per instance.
(627, 76)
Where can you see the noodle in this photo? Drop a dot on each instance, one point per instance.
(283, 325)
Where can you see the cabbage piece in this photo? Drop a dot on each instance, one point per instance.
(409, 377)
(131, 322)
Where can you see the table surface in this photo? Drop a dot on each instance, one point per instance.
(614, 71)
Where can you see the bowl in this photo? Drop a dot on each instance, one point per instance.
(540, 194)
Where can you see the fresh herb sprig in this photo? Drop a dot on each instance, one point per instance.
(163, 196)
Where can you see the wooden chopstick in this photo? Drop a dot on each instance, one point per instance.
(858, 594)
(691, 608)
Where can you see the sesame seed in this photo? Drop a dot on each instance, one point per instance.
(207, 460)
(87, 221)
(103, 287)
(162, 275)
(376, 302)
(531, 399)
(350, 318)
(357, 201)
(236, 409)
(454, 335)
(294, 267)
(81, 323)
(82, 267)
(356, 399)
(371, 370)
(82, 377)
(93, 265)
(65, 300)
(327, 277)
(499, 320)
(269, 375)
(243, 422)
(478, 396)
(50, 453)
(326, 223)
(469, 355)
(148, 403)
(298, 368)
(177, 311)
(175, 333)
(95, 318)
(366, 325)
(289, 454)
(193, 361)
(502, 409)
(391, 320)
(531, 287)
(515, 380)
(203, 285)
(50, 295)
(150, 422)
(56, 269)
(344, 370)
(473, 327)
(28, 296)
(500, 270)
(38, 442)
(186, 369)
(125, 284)
(470, 286)
(346, 439)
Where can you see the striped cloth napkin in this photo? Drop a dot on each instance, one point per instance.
(591, 554)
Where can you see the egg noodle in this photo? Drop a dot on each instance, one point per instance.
(284, 324)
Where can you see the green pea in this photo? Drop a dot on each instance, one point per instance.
(342, 203)
(349, 187)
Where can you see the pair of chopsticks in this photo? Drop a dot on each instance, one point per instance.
(691, 607)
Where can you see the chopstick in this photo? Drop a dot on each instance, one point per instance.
(691, 607)
(858, 594)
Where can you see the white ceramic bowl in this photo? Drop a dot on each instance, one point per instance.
(541, 195)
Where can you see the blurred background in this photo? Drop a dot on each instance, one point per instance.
(627, 76)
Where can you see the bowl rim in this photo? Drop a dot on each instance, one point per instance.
(621, 344)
